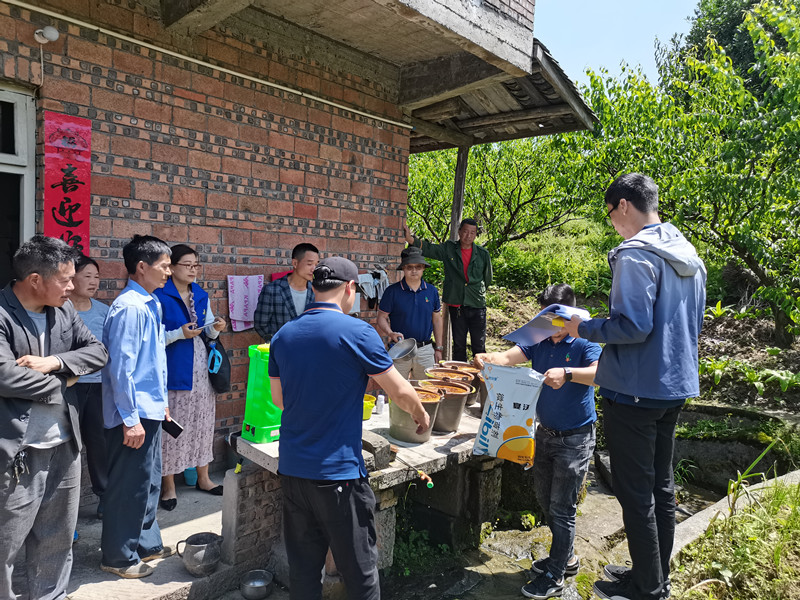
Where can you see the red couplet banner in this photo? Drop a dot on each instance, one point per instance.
(67, 178)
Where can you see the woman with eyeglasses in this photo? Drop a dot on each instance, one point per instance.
(186, 315)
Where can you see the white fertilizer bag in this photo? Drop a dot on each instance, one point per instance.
(509, 415)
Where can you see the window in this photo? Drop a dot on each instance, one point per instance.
(17, 175)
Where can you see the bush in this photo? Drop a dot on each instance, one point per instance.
(574, 254)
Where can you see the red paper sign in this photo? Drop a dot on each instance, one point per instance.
(67, 178)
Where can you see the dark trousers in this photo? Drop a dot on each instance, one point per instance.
(38, 513)
(640, 444)
(559, 469)
(90, 411)
(465, 319)
(130, 529)
(336, 514)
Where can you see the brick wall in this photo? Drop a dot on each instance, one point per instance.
(239, 170)
(520, 11)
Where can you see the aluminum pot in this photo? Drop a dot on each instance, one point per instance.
(201, 553)
(477, 380)
(454, 398)
(402, 427)
(405, 349)
(256, 585)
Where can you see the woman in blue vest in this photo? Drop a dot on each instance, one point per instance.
(187, 314)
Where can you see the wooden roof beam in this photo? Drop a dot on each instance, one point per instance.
(429, 82)
(443, 134)
(542, 63)
(531, 114)
(196, 16)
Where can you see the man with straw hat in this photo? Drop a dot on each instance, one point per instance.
(410, 308)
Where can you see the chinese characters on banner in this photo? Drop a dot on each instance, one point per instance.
(67, 178)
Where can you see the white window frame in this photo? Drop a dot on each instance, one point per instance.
(23, 161)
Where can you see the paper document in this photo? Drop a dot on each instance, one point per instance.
(545, 324)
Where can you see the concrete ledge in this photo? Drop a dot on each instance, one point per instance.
(695, 526)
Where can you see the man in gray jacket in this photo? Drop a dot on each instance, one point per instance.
(646, 372)
(44, 348)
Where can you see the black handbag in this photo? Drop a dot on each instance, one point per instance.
(219, 365)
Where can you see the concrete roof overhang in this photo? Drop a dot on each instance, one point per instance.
(462, 73)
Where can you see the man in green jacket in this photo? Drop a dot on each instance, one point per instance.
(467, 274)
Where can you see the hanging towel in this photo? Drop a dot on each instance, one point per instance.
(243, 292)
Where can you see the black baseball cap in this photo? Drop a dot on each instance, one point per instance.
(337, 268)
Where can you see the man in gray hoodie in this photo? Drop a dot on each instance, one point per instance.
(646, 372)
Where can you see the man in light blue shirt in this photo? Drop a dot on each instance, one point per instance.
(134, 405)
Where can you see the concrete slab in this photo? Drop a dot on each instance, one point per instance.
(196, 512)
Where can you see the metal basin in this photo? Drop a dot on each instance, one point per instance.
(454, 398)
(256, 585)
(404, 349)
(402, 427)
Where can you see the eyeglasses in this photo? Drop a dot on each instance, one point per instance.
(608, 214)
(214, 358)
(188, 266)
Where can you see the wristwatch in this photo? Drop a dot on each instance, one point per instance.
(439, 348)
(567, 374)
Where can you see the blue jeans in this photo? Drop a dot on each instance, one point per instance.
(559, 468)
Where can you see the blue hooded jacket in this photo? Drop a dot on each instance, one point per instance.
(657, 301)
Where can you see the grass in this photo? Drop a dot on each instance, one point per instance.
(754, 554)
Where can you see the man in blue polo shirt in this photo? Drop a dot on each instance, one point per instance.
(411, 309)
(564, 438)
(319, 365)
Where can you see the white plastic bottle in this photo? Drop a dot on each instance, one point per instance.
(379, 404)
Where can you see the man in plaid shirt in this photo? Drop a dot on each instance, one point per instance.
(285, 298)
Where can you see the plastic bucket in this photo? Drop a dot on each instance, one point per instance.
(369, 404)
(262, 419)
(402, 427)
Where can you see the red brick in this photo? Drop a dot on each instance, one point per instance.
(336, 245)
(189, 119)
(125, 229)
(65, 90)
(222, 52)
(265, 172)
(257, 135)
(205, 235)
(172, 234)
(8, 28)
(319, 117)
(173, 75)
(316, 180)
(236, 166)
(303, 210)
(308, 82)
(100, 227)
(209, 85)
(279, 73)
(222, 201)
(292, 177)
(279, 207)
(327, 213)
(222, 127)
(204, 160)
(151, 192)
(263, 239)
(130, 147)
(120, 18)
(145, 27)
(360, 188)
(117, 187)
(282, 141)
(307, 147)
(169, 154)
(236, 237)
(91, 52)
(112, 101)
(335, 184)
(253, 204)
(241, 94)
(133, 64)
(153, 111)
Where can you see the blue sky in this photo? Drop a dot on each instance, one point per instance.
(583, 33)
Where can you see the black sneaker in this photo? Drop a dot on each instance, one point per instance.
(617, 572)
(540, 566)
(623, 574)
(543, 587)
(612, 590)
